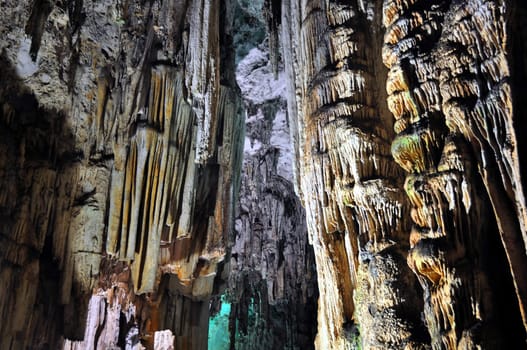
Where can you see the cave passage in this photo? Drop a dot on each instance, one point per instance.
(263, 174)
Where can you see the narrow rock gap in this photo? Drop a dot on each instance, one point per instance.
(272, 293)
(172, 169)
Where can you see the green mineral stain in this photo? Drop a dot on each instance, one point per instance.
(413, 105)
(407, 152)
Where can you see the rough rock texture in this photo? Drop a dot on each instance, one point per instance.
(450, 88)
(351, 188)
(120, 155)
(450, 92)
(119, 150)
(272, 283)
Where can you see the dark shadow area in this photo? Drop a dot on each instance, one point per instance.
(517, 49)
(36, 149)
(505, 327)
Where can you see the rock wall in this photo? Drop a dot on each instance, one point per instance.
(272, 285)
(120, 147)
(448, 94)
(350, 185)
(121, 139)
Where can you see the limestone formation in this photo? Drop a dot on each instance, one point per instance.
(351, 187)
(272, 284)
(121, 147)
(449, 75)
(121, 142)
(449, 89)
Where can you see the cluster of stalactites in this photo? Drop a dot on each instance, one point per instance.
(448, 91)
(159, 195)
(355, 206)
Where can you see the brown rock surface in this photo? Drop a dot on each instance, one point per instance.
(120, 160)
(450, 91)
(350, 186)
(450, 74)
(119, 151)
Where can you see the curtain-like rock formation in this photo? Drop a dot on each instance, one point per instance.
(350, 186)
(450, 94)
(449, 88)
(120, 159)
(120, 148)
(272, 281)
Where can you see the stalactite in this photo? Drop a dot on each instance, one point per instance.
(435, 85)
(355, 209)
(125, 146)
(271, 10)
(121, 162)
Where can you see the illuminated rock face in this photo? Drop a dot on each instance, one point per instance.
(461, 225)
(351, 187)
(120, 158)
(449, 89)
(120, 150)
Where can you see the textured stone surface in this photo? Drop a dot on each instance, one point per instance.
(450, 94)
(120, 162)
(120, 148)
(272, 282)
(350, 186)
(448, 87)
